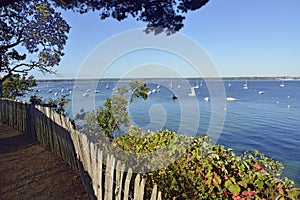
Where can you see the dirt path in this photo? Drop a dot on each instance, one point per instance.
(28, 171)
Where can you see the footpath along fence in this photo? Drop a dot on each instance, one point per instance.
(102, 180)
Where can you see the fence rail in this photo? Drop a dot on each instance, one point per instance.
(104, 178)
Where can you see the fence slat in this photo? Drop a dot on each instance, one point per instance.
(127, 184)
(94, 166)
(100, 174)
(154, 193)
(119, 179)
(109, 177)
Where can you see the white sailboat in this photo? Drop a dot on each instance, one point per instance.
(171, 85)
(282, 84)
(197, 85)
(229, 84)
(193, 93)
(245, 85)
(85, 94)
(230, 99)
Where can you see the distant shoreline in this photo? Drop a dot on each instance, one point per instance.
(193, 78)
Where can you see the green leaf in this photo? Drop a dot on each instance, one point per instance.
(227, 184)
(234, 188)
(259, 184)
(243, 183)
(217, 181)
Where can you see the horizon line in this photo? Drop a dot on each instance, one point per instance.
(176, 78)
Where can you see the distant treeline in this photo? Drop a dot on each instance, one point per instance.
(168, 79)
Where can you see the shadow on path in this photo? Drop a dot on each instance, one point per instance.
(29, 171)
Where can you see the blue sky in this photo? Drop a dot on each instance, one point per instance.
(242, 38)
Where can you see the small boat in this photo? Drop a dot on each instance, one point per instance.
(193, 93)
(206, 99)
(49, 91)
(88, 90)
(154, 90)
(201, 83)
(55, 94)
(229, 84)
(158, 86)
(62, 90)
(260, 92)
(197, 85)
(96, 91)
(20, 93)
(107, 86)
(245, 86)
(230, 99)
(85, 94)
(282, 84)
(174, 96)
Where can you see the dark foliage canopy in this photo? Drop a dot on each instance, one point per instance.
(167, 14)
(35, 29)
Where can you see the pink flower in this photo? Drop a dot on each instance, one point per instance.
(257, 166)
(263, 171)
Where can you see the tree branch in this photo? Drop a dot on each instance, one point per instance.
(7, 2)
(19, 40)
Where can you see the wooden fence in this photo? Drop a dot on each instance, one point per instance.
(102, 179)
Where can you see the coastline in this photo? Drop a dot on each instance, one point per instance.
(285, 78)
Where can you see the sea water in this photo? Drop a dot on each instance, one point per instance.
(265, 117)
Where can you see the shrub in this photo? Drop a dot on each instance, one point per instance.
(206, 171)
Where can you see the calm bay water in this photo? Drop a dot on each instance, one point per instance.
(268, 122)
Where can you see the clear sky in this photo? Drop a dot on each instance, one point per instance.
(243, 38)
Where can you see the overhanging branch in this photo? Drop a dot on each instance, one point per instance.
(19, 40)
(7, 2)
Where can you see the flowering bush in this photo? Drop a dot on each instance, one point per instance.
(206, 171)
